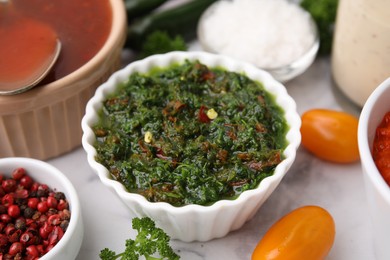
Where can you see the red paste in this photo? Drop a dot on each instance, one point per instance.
(381, 148)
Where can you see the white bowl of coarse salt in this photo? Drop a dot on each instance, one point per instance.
(275, 35)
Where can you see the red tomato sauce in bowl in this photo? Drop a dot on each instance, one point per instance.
(81, 26)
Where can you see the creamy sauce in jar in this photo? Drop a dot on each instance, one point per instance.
(361, 48)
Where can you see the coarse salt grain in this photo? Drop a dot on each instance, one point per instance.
(267, 33)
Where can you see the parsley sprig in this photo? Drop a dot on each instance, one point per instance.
(151, 242)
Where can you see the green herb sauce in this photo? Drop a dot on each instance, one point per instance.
(159, 137)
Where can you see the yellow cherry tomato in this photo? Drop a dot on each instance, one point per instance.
(330, 135)
(305, 233)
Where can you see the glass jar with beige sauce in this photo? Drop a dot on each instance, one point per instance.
(361, 47)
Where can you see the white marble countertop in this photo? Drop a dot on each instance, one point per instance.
(338, 188)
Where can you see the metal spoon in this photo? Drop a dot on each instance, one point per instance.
(17, 87)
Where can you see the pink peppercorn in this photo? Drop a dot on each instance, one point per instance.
(8, 199)
(55, 235)
(42, 206)
(15, 236)
(45, 230)
(20, 223)
(33, 218)
(9, 229)
(15, 248)
(41, 220)
(21, 194)
(5, 218)
(52, 202)
(8, 185)
(33, 203)
(18, 173)
(14, 211)
(54, 220)
(62, 204)
(26, 182)
(32, 251)
(34, 186)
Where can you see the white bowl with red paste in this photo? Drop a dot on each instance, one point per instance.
(377, 189)
(68, 246)
(196, 222)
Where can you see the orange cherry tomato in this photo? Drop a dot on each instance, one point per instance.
(305, 233)
(330, 135)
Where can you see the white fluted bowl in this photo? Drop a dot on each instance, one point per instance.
(195, 222)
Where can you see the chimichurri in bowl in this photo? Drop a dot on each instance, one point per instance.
(189, 134)
(186, 137)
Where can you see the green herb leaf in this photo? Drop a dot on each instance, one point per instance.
(151, 242)
(160, 42)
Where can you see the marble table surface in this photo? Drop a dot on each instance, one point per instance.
(338, 188)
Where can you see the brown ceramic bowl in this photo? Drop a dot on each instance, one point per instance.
(46, 121)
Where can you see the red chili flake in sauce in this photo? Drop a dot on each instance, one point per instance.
(381, 148)
(202, 116)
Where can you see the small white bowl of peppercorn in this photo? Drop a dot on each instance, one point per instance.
(196, 141)
(374, 148)
(40, 212)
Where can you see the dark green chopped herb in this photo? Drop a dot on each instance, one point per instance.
(155, 136)
(324, 14)
(160, 42)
